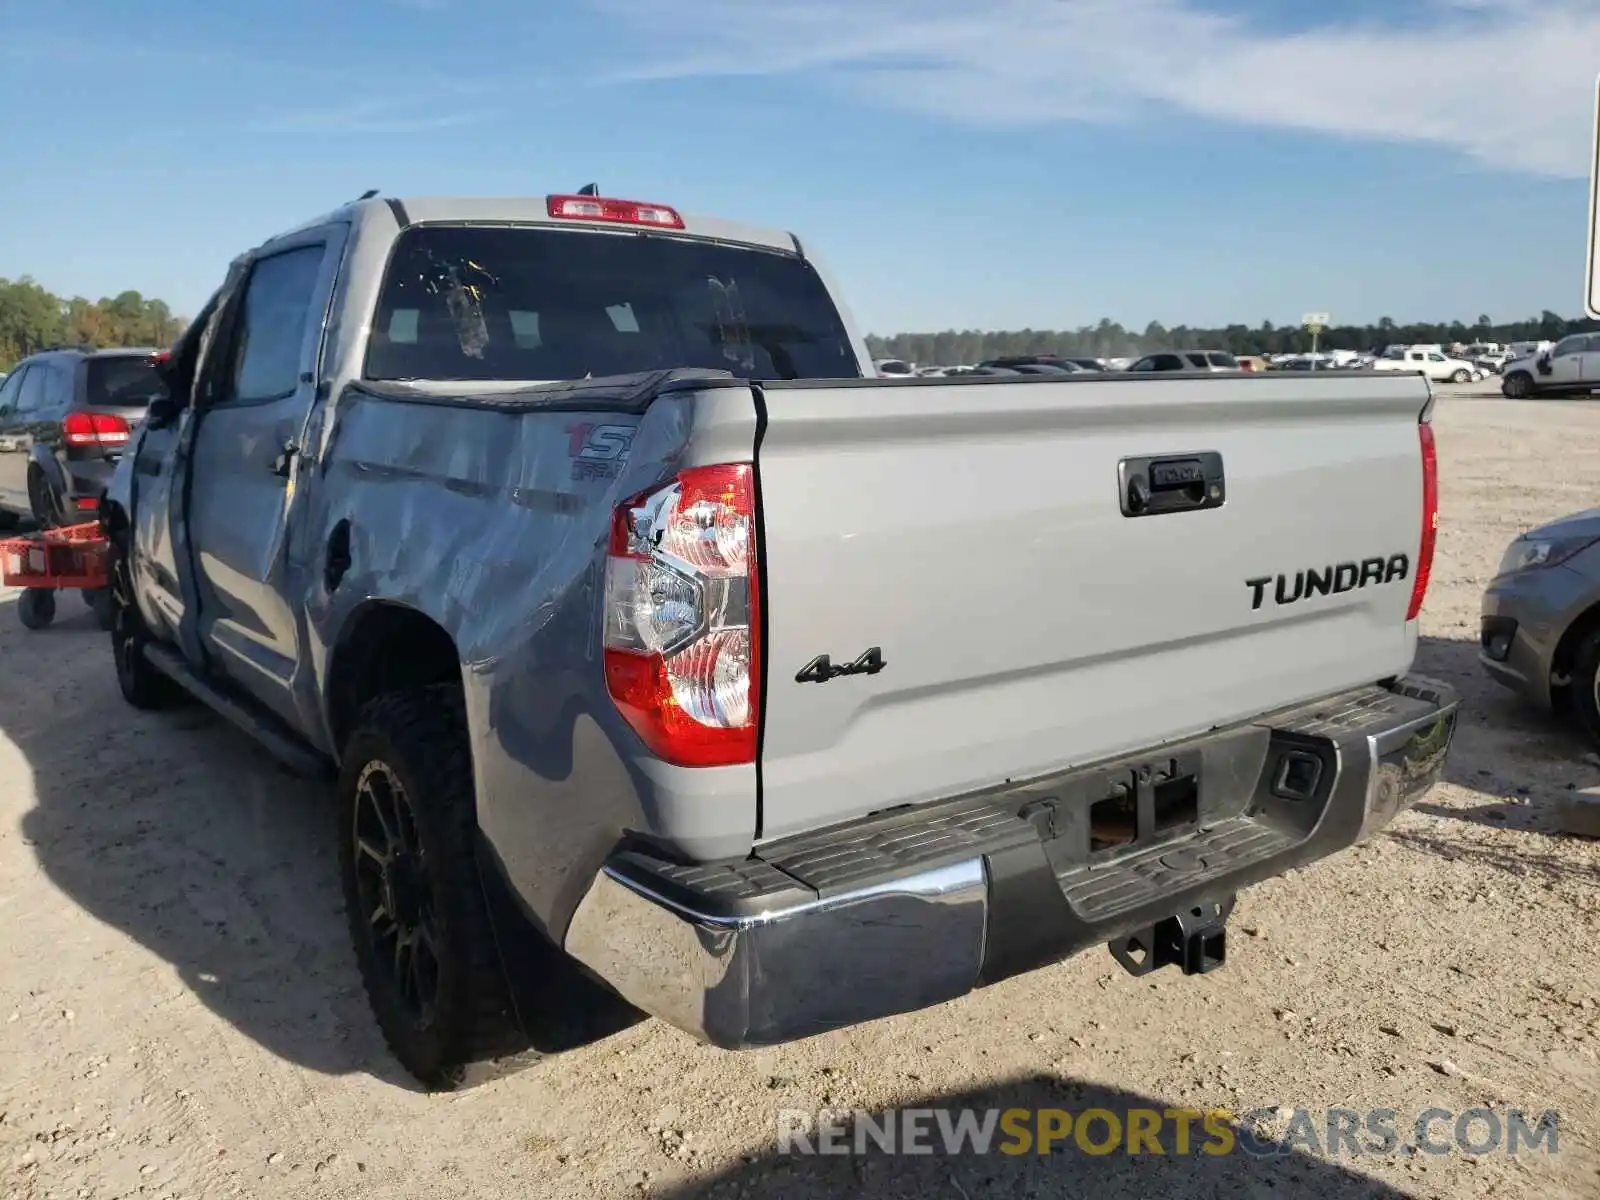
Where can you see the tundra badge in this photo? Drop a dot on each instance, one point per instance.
(1336, 577)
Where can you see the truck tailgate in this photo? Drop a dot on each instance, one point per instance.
(973, 534)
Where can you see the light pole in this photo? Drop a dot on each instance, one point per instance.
(1316, 323)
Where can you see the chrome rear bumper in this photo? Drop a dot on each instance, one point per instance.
(915, 907)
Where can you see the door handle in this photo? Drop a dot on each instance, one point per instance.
(281, 465)
(1170, 483)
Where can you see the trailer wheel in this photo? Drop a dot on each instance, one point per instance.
(99, 602)
(37, 608)
(423, 939)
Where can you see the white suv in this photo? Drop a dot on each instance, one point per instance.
(1435, 364)
(1571, 365)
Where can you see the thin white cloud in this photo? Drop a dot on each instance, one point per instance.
(1509, 83)
(353, 119)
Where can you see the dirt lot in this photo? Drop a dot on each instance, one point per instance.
(179, 1015)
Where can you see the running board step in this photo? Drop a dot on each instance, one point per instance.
(279, 742)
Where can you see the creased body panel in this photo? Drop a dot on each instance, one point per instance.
(493, 523)
(975, 535)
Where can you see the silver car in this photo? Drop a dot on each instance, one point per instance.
(1188, 360)
(1540, 629)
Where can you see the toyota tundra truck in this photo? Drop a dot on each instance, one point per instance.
(652, 638)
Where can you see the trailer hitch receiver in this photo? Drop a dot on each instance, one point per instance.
(1195, 940)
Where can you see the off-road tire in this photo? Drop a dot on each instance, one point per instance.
(36, 608)
(419, 737)
(142, 685)
(1517, 386)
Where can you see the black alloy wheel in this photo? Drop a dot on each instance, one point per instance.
(396, 901)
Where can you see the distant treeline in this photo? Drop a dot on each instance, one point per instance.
(32, 317)
(1109, 339)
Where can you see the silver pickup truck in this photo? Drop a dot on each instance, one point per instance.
(653, 640)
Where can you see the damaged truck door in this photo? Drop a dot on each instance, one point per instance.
(256, 394)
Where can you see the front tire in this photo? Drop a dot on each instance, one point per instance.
(418, 918)
(141, 684)
(1461, 377)
(1517, 386)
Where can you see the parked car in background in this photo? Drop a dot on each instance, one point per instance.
(894, 368)
(1187, 360)
(1019, 361)
(1540, 623)
(65, 416)
(1571, 366)
(1527, 349)
(1251, 362)
(1049, 369)
(1430, 361)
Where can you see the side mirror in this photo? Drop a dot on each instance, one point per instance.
(163, 411)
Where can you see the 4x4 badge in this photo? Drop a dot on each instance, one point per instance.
(821, 669)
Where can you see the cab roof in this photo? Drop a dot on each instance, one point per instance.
(531, 210)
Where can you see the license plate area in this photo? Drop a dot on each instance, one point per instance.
(1125, 807)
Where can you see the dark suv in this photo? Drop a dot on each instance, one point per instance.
(65, 416)
(1062, 362)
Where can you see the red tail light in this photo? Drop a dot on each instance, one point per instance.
(1430, 518)
(622, 212)
(682, 627)
(94, 429)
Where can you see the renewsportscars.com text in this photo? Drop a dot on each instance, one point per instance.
(1265, 1132)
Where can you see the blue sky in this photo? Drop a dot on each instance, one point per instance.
(1009, 164)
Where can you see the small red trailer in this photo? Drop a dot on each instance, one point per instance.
(70, 557)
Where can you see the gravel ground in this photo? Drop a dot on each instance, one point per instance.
(179, 1015)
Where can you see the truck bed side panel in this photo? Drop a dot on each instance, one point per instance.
(493, 524)
(974, 534)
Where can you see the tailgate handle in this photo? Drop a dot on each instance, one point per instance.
(1156, 484)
